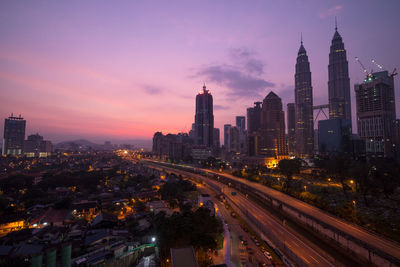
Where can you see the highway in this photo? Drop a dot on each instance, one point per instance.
(379, 243)
(297, 246)
(308, 255)
(357, 232)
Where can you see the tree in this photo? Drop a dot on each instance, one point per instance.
(289, 167)
(338, 168)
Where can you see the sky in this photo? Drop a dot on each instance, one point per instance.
(122, 70)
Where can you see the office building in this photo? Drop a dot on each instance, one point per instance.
(216, 138)
(334, 136)
(227, 129)
(291, 127)
(272, 134)
(254, 118)
(35, 146)
(241, 125)
(204, 119)
(14, 135)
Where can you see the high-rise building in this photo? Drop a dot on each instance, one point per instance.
(172, 146)
(227, 128)
(204, 119)
(334, 136)
(234, 139)
(216, 138)
(291, 127)
(376, 114)
(272, 133)
(254, 118)
(339, 81)
(303, 105)
(241, 123)
(14, 135)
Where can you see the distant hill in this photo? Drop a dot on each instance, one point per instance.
(138, 143)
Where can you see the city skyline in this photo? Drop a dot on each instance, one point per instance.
(107, 75)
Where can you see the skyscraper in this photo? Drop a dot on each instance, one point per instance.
(291, 126)
(303, 105)
(339, 81)
(254, 118)
(272, 133)
(376, 113)
(14, 135)
(216, 138)
(241, 123)
(227, 128)
(204, 119)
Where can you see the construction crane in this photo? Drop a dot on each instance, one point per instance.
(378, 65)
(369, 74)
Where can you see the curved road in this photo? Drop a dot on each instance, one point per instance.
(357, 232)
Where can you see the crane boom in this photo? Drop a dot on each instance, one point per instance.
(378, 65)
(362, 66)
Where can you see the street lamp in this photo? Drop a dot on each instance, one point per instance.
(153, 239)
(305, 188)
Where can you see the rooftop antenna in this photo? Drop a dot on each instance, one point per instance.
(301, 38)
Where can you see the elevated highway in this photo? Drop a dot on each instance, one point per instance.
(369, 247)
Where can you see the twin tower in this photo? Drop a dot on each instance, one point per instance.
(338, 91)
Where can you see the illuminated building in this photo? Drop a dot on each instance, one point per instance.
(14, 135)
(339, 81)
(204, 119)
(303, 105)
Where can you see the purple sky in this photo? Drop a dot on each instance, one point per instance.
(122, 70)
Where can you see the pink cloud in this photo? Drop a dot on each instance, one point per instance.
(330, 11)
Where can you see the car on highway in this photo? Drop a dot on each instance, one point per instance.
(268, 255)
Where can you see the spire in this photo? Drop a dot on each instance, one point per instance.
(335, 23)
(302, 50)
(204, 86)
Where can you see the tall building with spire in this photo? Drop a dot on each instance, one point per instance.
(304, 127)
(339, 81)
(204, 119)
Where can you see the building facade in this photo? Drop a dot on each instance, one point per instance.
(303, 105)
(204, 119)
(291, 127)
(35, 146)
(14, 135)
(376, 114)
(339, 81)
(334, 136)
(272, 134)
(172, 146)
(254, 118)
